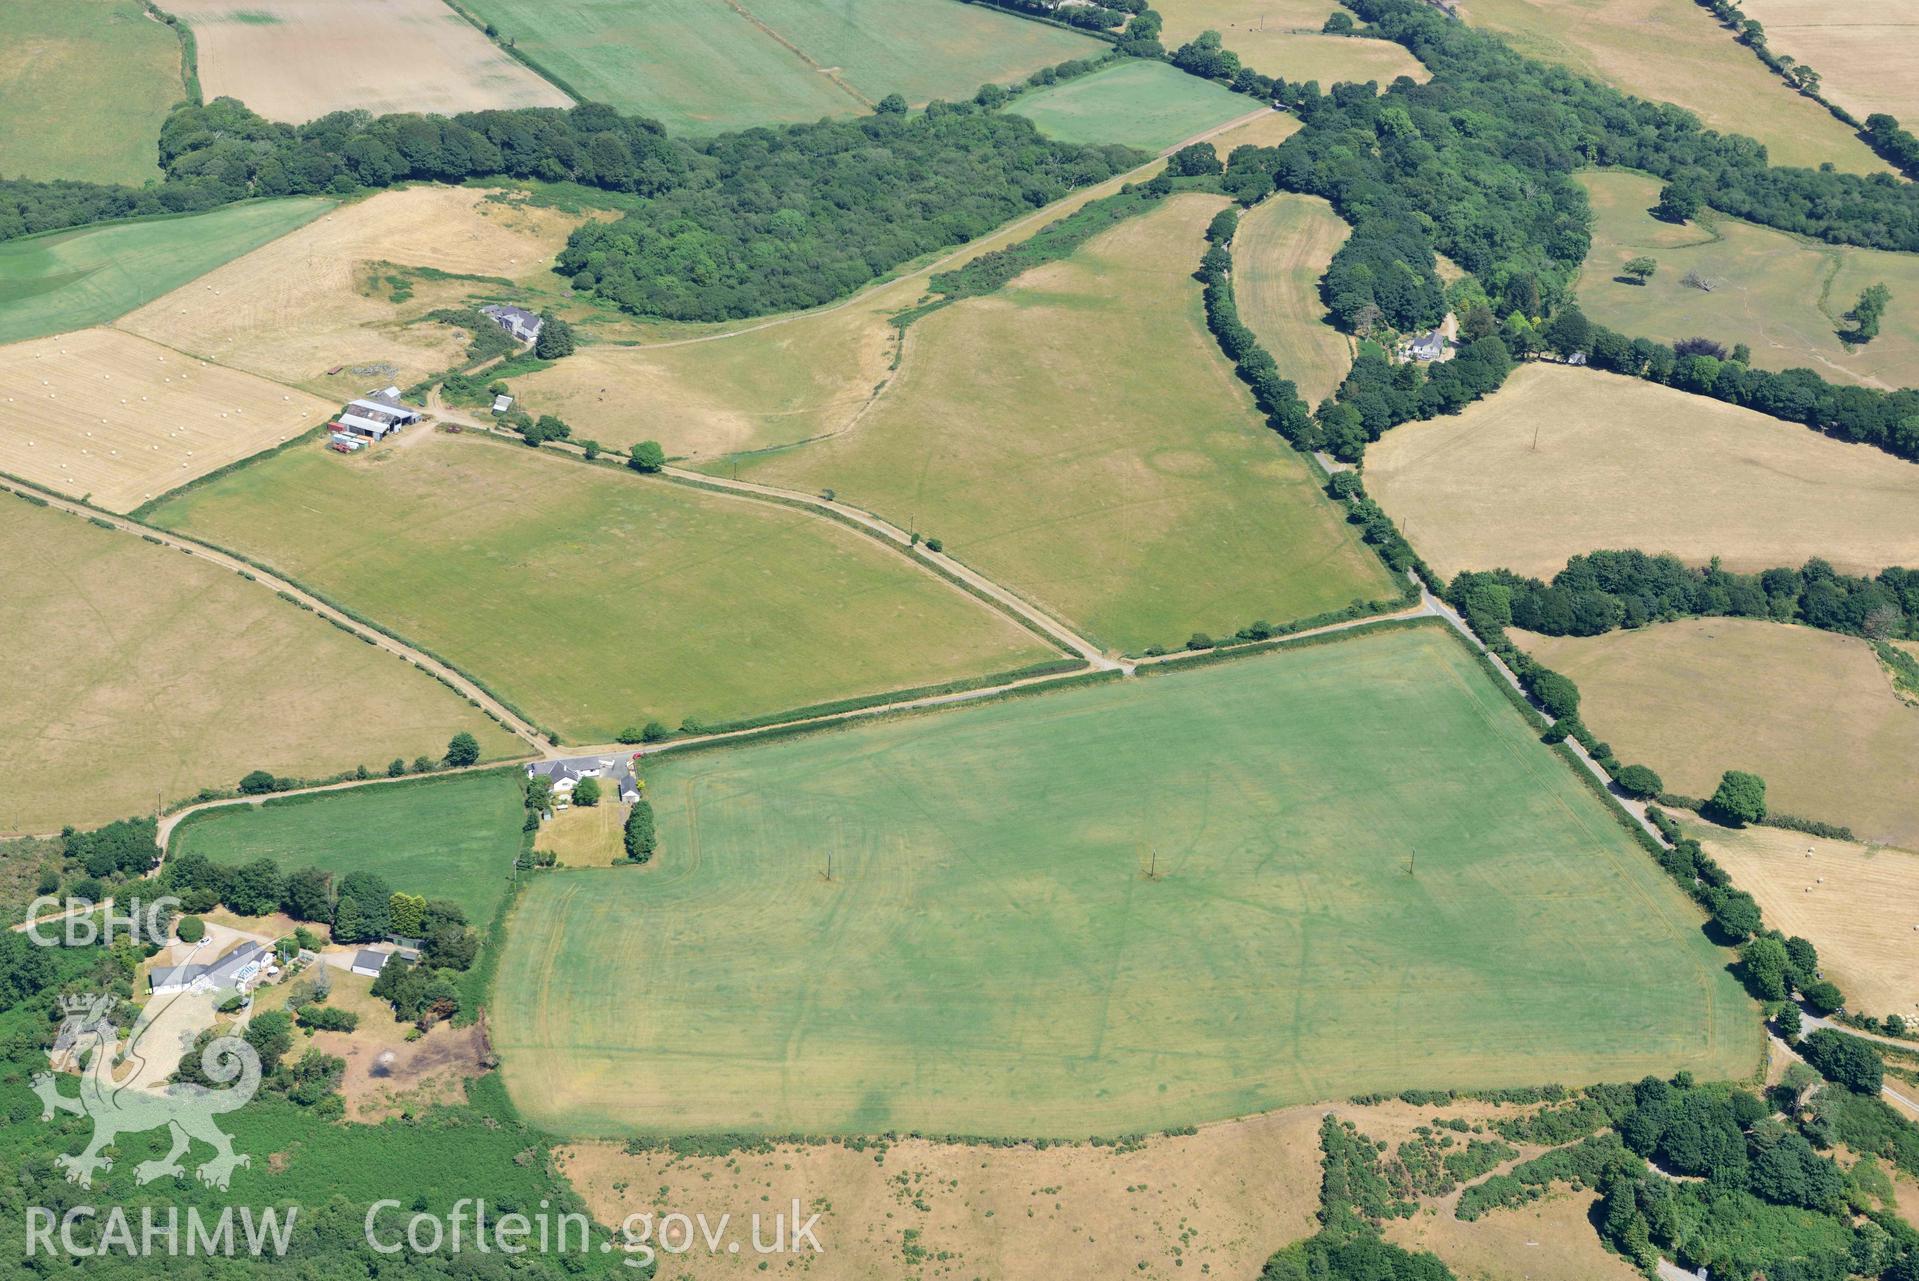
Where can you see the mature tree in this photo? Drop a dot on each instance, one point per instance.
(1641, 269)
(556, 338)
(1641, 781)
(1677, 203)
(307, 895)
(1741, 798)
(462, 749)
(892, 104)
(641, 840)
(254, 889)
(1569, 332)
(1763, 965)
(1735, 912)
(191, 929)
(363, 913)
(258, 782)
(1196, 160)
(1844, 1059)
(1556, 693)
(1866, 313)
(405, 912)
(1823, 997)
(270, 1033)
(1790, 1022)
(587, 792)
(646, 456)
(1339, 23)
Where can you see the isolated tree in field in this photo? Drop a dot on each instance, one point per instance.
(1676, 203)
(1866, 313)
(587, 792)
(556, 338)
(1641, 781)
(1338, 23)
(1741, 798)
(462, 749)
(646, 456)
(1641, 269)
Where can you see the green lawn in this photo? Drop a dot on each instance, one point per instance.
(597, 600)
(84, 88)
(1149, 105)
(990, 956)
(707, 66)
(1078, 437)
(449, 838)
(69, 280)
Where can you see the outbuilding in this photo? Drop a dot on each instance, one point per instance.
(369, 962)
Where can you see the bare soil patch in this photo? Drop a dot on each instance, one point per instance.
(1214, 1203)
(295, 60)
(1859, 904)
(1563, 461)
(122, 420)
(320, 299)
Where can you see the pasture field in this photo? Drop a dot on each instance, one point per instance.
(709, 66)
(84, 87)
(104, 414)
(1784, 297)
(1137, 495)
(1546, 1240)
(1223, 1199)
(1811, 712)
(1282, 38)
(1864, 55)
(1283, 246)
(585, 835)
(1564, 461)
(66, 280)
(452, 838)
(321, 299)
(295, 60)
(1857, 903)
(598, 600)
(1674, 51)
(139, 675)
(1149, 105)
(1268, 130)
(991, 956)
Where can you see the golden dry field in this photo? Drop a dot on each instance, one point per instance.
(1563, 461)
(1783, 296)
(1549, 1240)
(1674, 51)
(1216, 1203)
(104, 414)
(295, 60)
(1268, 130)
(1864, 53)
(318, 299)
(1811, 712)
(585, 835)
(1859, 904)
(140, 675)
(1282, 38)
(1282, 248)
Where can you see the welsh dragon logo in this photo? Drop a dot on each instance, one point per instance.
(130, 1106)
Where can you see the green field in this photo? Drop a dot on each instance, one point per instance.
(1784, 296)
(1283, 246)
(991, 957)
(84, 87)
(448, 838)
(708, 66)
(596, 600)
(69, 280)
(1078, 437)
(1142, 104)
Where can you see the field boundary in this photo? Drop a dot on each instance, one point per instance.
(513, 51)
(193, 814)
(189, 52)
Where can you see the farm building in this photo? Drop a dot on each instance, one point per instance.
(369, 962)
(230, 972)
(502, 403)
(376, 414)
(518, 321)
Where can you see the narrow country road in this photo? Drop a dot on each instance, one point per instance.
(267, 578)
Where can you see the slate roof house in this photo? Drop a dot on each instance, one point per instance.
(228, 972)
(518, 321)
(567, 773)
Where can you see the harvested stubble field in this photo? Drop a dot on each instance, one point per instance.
(1138, 495)
(596, 599)
(991, 956)
(1139, 103)
(71, 279)
(84, 86)
(1549, 1240)
(1565, 461)
(1215, 1203)
(1811, 712)
(1282, 38)
(1859, 904)
(1864, 54)
(138, 674)
(1675, 51)
(707, 66)
(105, 415)
(1282, 248)
(452, 838)
(1784, 297)
(317, 300)
(295, 60)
